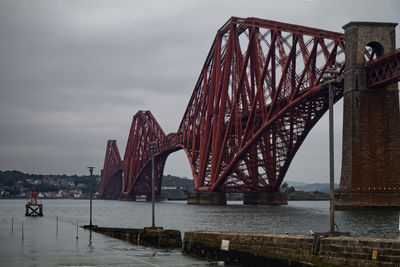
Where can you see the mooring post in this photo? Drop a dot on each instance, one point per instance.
(76, 229)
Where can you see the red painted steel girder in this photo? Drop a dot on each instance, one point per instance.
(142, 181)
(137, 177)
(144, 129)
(383, 70)
(258, 95)
(111, 175)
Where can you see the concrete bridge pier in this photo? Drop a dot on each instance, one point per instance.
(265, 198)
(207, 198)
(371, 124)
(127, 197)
(157, 198)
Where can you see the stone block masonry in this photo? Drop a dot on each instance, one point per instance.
(291, 250)
(146, 237)
(207, 198)
(266, 198)
(371, 124)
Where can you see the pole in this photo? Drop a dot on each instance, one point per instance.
(91, 195)
(399, 221)
(57, 225)
(22, 230)
(329, 78)
(331, 161)
(152, 147)
(12, 224)
(152, 190)
(76, 229)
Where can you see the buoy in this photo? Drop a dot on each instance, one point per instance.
(32, 208)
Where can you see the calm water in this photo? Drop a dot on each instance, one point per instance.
(42, 246)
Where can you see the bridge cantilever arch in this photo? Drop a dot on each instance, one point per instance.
(259, 94)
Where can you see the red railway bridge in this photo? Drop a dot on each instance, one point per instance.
(259, 93)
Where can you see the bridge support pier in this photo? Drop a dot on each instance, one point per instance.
(207, 198)
(265, 198)
(157, 198)
(383, 199)
(127, 197)
(371, 124)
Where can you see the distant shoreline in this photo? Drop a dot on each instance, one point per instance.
(171, 200)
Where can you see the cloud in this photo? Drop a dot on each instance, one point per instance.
(73, 73)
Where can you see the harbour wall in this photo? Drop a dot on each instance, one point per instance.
(147, 237)
(258, 249)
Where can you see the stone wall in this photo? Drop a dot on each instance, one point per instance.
(145, 237)
(292, 250)
(207, 198)
(371, 124)
(265, 198)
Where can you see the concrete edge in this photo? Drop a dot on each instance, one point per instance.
(156, 237)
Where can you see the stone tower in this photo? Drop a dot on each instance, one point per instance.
(371, 124)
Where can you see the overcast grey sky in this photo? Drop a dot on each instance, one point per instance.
(73, 73)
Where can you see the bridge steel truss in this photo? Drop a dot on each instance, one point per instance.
(258, 95)
(384, 70)
(111, 182)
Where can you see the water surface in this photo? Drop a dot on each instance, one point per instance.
(42, 245)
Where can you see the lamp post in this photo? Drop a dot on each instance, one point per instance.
(91, 196)
(152, 145)
(329, 78)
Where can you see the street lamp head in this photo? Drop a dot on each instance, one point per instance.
(152, 145)
(332, 70)
(330, 75)
(91, 169)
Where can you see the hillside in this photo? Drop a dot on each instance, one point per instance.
(300, 186)
(181, 182)
(19, 184)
